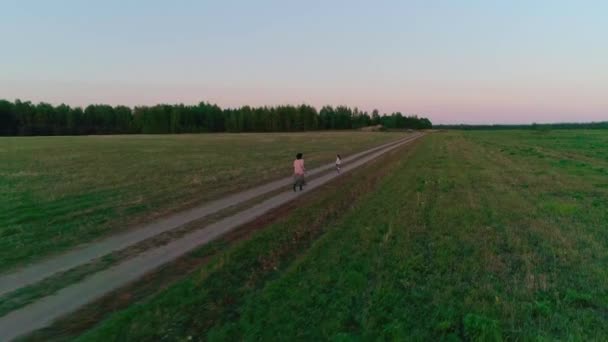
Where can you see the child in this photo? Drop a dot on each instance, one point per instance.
(338, 162)
(298, 172)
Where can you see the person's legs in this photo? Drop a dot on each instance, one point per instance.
(297, 182)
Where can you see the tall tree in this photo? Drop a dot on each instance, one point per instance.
(8, 119)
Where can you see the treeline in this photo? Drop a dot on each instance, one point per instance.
(534, 126)
(26, 118)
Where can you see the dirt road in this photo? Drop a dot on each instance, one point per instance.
(44, 311)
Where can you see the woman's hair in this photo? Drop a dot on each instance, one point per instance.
(299, 156)
(338, 156)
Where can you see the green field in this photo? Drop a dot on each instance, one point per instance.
(461, 236)
(61, 191)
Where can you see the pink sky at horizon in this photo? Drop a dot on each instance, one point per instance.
(464, 105)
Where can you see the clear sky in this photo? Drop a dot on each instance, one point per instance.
(452, 61)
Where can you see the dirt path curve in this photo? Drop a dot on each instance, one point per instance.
(44, 311)
(83, 254)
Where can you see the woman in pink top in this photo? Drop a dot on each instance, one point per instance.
(298, 172)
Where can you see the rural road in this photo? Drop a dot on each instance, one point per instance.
(43, 312)
(88, 252)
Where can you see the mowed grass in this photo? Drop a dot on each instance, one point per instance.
(58, 192)
(471, 236)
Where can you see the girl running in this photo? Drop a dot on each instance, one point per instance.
(338, 163)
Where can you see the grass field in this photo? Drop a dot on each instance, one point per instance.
(462, 236)
(61, 191)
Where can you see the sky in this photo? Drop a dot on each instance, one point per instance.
(451, 61)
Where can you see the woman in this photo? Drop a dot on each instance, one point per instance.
(298, 172)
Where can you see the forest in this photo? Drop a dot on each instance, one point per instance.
(27, 118)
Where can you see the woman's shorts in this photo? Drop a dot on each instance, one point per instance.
(299, 179)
